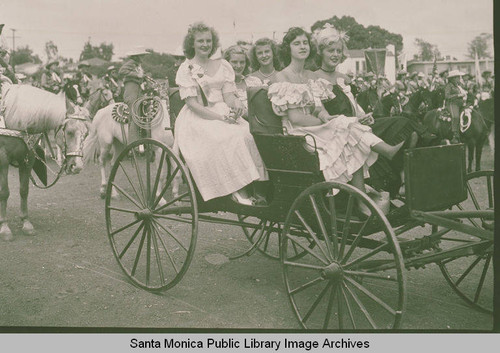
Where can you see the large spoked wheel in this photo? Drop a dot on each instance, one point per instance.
(471, 276)
(152, 232)
(353, 277)
(48, 167)
(265, 236)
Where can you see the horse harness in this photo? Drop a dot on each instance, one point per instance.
(62, 127)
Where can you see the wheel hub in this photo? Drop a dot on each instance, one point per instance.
(333, 272)
(144, 214)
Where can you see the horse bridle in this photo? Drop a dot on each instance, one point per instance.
(62, 127)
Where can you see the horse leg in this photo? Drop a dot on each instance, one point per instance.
(5, 231)
(117, 150)
(104, 157)
(470, 155)
(24, 178)
(479, 151)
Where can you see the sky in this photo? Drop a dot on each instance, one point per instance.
(162, 24)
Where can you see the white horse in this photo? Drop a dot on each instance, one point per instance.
(28, 111)
(106, 139)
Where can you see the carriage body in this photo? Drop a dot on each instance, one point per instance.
(341, 268)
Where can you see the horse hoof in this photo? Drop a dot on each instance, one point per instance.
(6, 233)
(28, 228)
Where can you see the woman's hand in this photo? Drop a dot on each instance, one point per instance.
(366, 119)
(238, 108)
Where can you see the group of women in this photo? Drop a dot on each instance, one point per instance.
(214, 137)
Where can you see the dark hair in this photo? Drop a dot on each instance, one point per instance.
(198, 27)
(285, 51)
(274, 49)
(236, 49)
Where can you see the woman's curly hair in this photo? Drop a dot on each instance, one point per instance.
(274, 49)
(199, 27)
(236, 49)
(285, 51)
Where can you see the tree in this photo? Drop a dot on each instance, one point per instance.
(103, 51)
(157, 64)
(427, 51)
(24, 55)
(361, 37)
(480, 45)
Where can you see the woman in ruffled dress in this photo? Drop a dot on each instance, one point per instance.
(215, 141)
(346, 147)
(384, 174)
(265, 60)
(240, 63)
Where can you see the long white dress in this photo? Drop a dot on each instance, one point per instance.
(343, 143)
(221, 157)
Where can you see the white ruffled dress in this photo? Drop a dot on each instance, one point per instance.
(343, 144)
(221, 157)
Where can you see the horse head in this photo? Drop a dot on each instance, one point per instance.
(99, 97)
(71, 135)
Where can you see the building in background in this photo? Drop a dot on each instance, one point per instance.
(465, 66)
(356, 63)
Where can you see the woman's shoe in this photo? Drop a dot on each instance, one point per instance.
(238, 198)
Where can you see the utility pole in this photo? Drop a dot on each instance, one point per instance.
(13, 48)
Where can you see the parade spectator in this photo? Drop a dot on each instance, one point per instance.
(454, 98)
(84, 77)
(214, 140)
(113, 83)
(265, 60)
(5, 68)
(51, 80)
(132, 74)
(489, 83)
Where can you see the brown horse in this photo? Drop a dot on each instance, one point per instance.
(30, 112)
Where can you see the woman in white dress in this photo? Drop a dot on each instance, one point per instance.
(213, 138)
(346, 147)
(240, 63)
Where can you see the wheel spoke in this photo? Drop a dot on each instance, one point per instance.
(331, 299)
(166, 186)
(131, 240)
(148, 152)
(132, 185)
(362, 307)
(473, 197)
(139, 250)
(339, 307)
(316, 302)
(124, 193)
(348, 305)
(157, 255)
(347, 225)
(139, 177)
(311, 233)
(370, 275)
(122, 209)
(166, 250)
(307, 285)
(467, 271)
(329, 246)
(125, 227)
(356, 240)
(371, 295)
(333, 220)
(490, 191)
(148, 253)
(481, 280)
(296, 264)
(368, 255)
(294, 239)
(171, 233)
(170, 202)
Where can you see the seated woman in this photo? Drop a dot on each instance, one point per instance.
(215, 141)
(384, 174)
(240, 63)
(265, 60)
(346, 148)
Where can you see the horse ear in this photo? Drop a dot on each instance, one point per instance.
(70, 107)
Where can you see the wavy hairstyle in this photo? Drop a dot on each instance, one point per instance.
(274, 49)
(199, 27)
(285, 51)
(325, 42)
(236, 49)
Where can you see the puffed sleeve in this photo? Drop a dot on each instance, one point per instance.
(253, 81)
(187, 85)
(286, 95)
(229, 77)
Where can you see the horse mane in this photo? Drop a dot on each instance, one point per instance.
(32, 109)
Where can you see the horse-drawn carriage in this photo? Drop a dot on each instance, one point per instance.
(342, 269)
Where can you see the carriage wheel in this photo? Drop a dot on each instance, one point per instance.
(152, 241)
(471, 277)
(265, 236)
(353, 277)
(47, 169)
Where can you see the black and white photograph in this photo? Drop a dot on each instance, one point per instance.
(306, 166)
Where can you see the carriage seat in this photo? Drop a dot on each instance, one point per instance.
(261, 116)
(175, 104)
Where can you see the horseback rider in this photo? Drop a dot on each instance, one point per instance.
(83, 76)
(51, 80)
(455, 97)
(112, 82)
(489, 83)
(133, 77)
